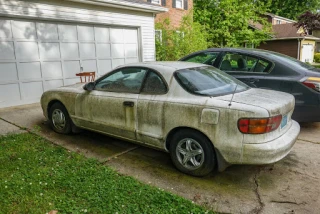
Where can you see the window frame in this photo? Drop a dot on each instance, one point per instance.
(148, 70)
(268, 69)
(182, 4)
(153, 2)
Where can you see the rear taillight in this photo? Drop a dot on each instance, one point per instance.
(313, 83)
(259, 125)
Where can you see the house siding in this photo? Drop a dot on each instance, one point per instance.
(287, 47)
(83, 13)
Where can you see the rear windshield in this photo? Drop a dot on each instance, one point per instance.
(209, 81)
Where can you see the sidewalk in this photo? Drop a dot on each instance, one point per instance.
(8, 128)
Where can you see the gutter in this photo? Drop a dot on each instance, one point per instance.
(301, 37)
(145, 7)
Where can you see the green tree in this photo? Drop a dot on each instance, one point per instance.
(177, 42)
(291, 9)
(227, 21)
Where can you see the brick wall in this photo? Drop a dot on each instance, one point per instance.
(287, 47)
(174, 14)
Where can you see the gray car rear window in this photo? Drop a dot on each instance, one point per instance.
(208, 81)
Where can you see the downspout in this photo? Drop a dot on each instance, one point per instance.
(299, 46)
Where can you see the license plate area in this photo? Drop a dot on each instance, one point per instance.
(284, 121)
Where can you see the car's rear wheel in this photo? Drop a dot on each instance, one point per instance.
(59, 119)
(192, 153)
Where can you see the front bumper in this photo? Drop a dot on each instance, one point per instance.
(272, 151)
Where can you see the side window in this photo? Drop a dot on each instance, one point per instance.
(204, 58)
(124, 80)
(154, 84)
(241, 62)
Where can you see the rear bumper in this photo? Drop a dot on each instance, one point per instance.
(271, 151)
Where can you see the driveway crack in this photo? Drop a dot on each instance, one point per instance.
(309, 141)
(257, 192)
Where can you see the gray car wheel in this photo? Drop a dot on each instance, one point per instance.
(59, 119)
(192, 153)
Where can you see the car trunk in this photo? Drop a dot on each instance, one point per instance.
(276, 103)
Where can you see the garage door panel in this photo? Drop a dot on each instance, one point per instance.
(69, 50)
(131, 50)
(51, 70)
(6, 50)
(51, 84)
(32, 90)
(132, 60)
(87, 50)
(29, 70)
(71, 81)
(8, 72)
(117, 50)
(9, 92)
(117, 62)
(47, 31)
(67, 32)
(70, 68)
(102, 34)
(49, 50)
(37, 56)
(89, 65)
(24, 30)
(116, 35)
(5, 29)
(130, 36)
(85, 33)
(27, 50)
(103, 50)
(104, 66)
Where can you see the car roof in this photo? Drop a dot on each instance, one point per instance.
(165, 66)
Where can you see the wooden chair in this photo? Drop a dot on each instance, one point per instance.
(87, 76)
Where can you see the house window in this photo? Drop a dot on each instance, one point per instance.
(278, 22)
(155, 1)
(158, 35)
(179, 4)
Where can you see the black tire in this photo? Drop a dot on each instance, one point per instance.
(59, 119)
(198, 164)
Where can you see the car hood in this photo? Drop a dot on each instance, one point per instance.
(274, 102)
(78, 87)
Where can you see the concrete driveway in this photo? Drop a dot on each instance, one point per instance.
(289, 186)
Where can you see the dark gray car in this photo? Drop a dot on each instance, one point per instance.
(269, 70)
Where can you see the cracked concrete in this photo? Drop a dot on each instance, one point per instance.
(288, 186)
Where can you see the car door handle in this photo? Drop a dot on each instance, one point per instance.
(128, 103)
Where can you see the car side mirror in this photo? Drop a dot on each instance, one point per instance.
(89, 86)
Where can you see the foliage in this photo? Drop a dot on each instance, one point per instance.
(309, 21)
(291, 9)
(317, 57)
(227, 21)
(37, 177)
(177, 42)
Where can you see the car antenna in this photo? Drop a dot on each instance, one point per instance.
(233, 95)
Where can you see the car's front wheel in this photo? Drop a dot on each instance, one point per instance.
(192, 153)
(59, 119)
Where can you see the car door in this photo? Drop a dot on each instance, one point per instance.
(150, 109)
(111, 107)
(252, 70)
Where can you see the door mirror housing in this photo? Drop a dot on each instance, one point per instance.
(89, 86)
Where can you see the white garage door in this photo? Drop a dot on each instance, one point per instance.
(37, 56)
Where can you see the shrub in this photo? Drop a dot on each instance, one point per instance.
(178, 42)
(317, 57)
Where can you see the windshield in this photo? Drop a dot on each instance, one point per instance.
(209, 81)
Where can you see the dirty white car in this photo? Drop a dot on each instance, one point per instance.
(203, 117)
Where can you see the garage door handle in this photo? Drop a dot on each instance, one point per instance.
(128, 103)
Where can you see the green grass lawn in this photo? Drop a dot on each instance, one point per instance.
(317, 66)
(37, 176)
